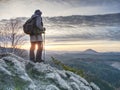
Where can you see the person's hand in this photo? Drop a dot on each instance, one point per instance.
(44, 29)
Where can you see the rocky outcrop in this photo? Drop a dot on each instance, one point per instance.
(19, 74)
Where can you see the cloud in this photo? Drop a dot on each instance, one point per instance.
(85, 34)
(21, 8)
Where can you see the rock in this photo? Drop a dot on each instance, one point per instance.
(19, 74)
(94, 86)
(58, 80)
(76, 80)
(74, 86)
(52, 87)
(77, 77)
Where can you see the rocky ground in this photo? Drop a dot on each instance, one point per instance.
(19, 74)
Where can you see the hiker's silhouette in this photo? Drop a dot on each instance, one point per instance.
(36, 37)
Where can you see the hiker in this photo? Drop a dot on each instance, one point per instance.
(36, 38)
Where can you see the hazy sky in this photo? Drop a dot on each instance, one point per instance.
(100, 38)
(21, 8)
(105, 40)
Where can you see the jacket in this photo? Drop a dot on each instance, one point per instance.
(39, 24)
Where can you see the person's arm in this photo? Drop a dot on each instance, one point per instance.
(38, 23)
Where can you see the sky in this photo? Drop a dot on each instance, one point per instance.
(24, 8)
(87, 37)
(75, 37)
(80, 38)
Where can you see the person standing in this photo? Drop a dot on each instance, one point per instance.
(36, 38)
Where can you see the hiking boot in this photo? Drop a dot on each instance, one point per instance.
(40, 61)
(33, 60)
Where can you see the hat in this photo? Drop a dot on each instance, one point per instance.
(38, 12)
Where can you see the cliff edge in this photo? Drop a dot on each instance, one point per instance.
(19, 74)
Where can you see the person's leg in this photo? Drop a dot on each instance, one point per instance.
(39, 51)
(32, 49)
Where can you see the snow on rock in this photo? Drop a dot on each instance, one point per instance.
(52, 87)
(19, 74)
(74, 86)
(58, 80)
(94, 86)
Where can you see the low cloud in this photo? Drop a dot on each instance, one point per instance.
(86, 34)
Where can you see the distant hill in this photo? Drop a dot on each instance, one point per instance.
(90, 51)
(104, 66)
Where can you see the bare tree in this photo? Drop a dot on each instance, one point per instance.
(12, 36)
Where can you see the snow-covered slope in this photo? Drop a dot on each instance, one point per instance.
(19, 74)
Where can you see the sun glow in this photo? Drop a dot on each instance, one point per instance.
(101, 46)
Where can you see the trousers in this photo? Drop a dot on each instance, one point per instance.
(36, 56)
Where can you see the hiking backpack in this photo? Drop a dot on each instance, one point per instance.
(29, 26)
